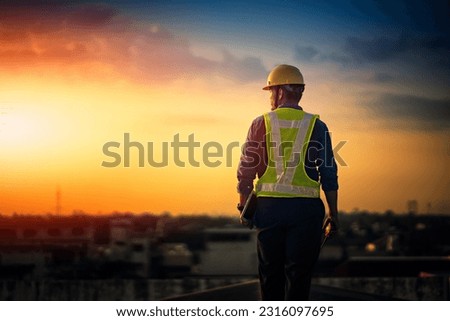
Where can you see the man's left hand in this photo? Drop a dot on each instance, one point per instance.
(330, 226)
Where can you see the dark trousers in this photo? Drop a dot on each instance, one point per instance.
(289, 238)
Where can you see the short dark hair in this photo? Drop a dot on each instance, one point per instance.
(294, 92)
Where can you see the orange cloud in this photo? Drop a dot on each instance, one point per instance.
(56, 35)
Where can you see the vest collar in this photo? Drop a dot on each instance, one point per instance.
(291, 106)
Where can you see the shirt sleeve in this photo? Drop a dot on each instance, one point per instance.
(253, 157)
(325, 158)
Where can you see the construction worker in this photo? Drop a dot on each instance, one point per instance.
(290, 152)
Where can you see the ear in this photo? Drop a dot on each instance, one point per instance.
(280, 93)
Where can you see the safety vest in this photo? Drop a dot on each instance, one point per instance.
(288, 134)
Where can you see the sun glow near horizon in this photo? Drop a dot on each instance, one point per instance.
(53, 133)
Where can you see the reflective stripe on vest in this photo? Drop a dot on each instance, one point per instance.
(283, 184)
(289, 189)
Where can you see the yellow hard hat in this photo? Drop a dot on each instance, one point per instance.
(284, 75)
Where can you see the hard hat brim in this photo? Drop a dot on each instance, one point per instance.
(270, 86)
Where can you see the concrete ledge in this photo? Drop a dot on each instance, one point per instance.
(249, 291)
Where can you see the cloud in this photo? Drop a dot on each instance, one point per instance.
(413, 63)
(406, 48)
(161, 53)
(407, 61)
(306, 53)
(92, 16)
(431, 51)
(414, 111)
(52, 34)
(245, 69)
(382, 49)
(383, 77)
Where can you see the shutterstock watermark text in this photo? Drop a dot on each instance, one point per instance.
(189, 152)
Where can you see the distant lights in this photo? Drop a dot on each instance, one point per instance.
(371, 247)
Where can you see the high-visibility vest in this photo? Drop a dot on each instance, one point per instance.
(288, 134)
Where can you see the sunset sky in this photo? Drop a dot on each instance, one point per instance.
(76, 75)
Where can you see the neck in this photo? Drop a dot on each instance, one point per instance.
(288, 103)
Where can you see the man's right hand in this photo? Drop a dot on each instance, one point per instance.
(245, 222)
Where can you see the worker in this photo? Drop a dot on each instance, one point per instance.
(291, 153)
